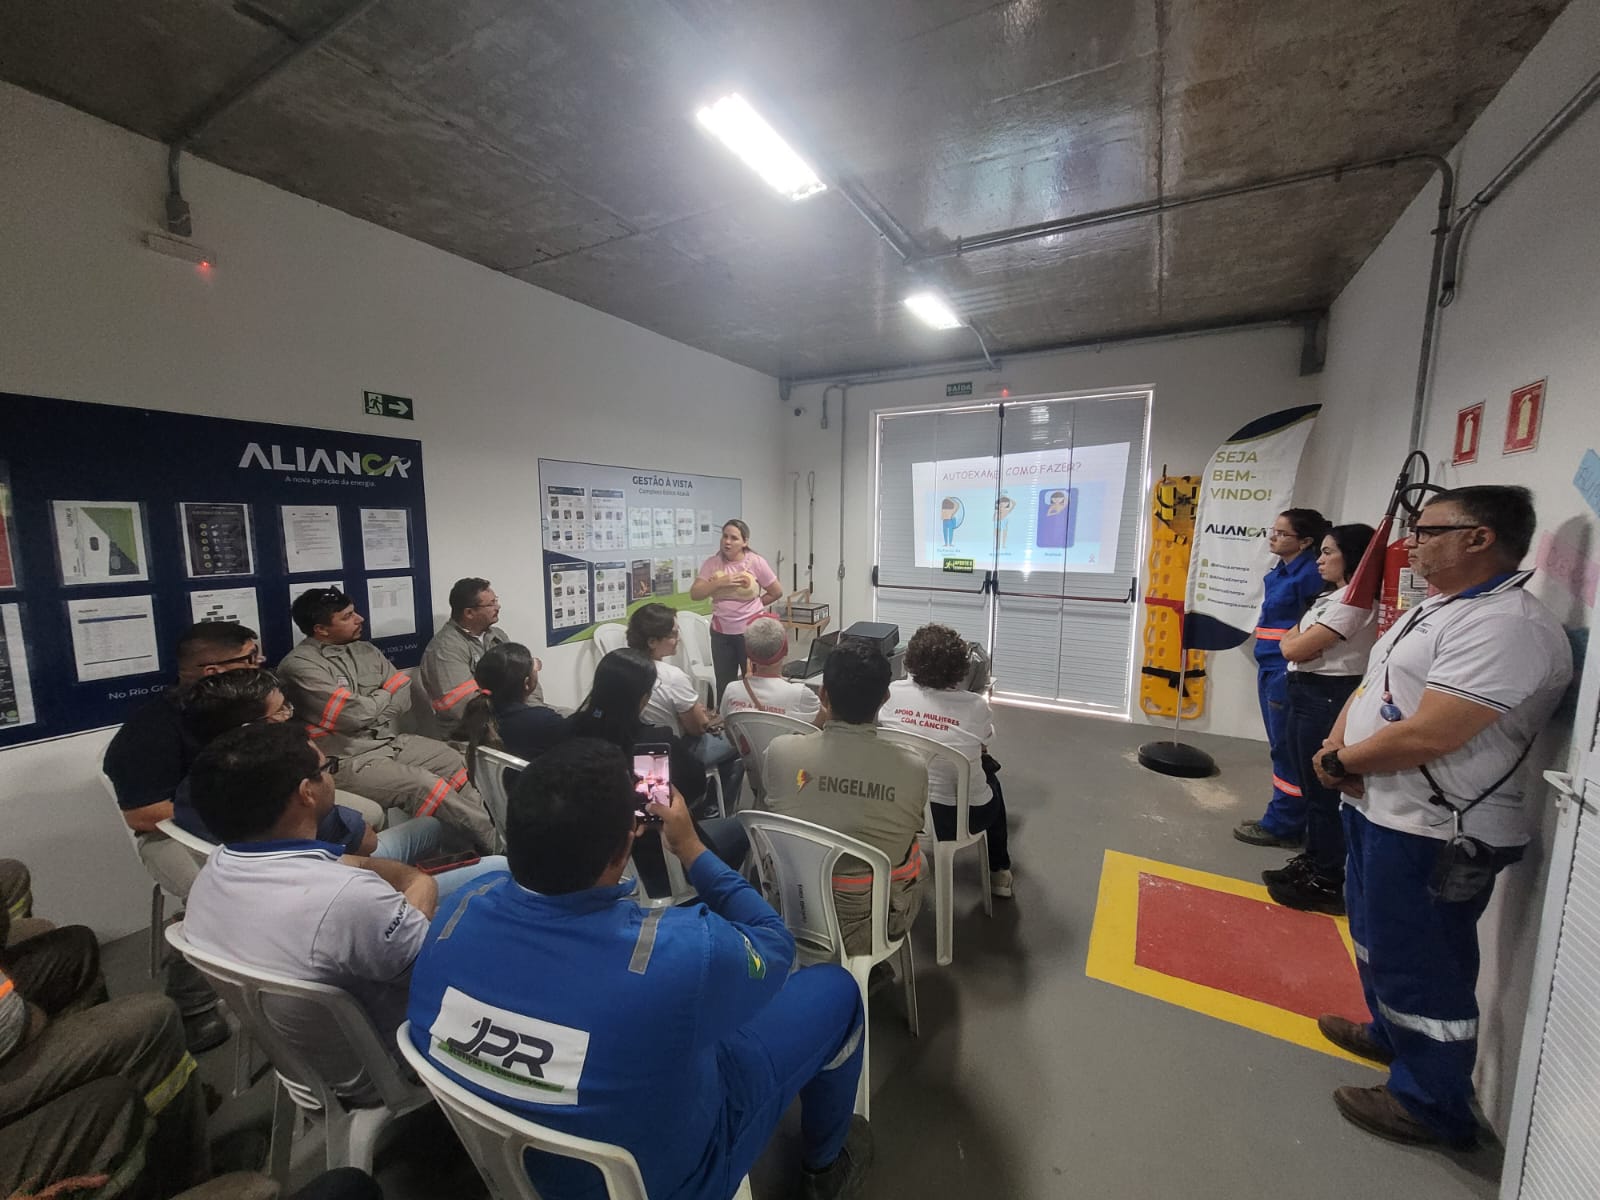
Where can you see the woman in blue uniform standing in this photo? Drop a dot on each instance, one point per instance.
(1291, 586)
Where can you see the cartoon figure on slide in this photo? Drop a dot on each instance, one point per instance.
(1054, 526)
(951, 513)
(1003, 508)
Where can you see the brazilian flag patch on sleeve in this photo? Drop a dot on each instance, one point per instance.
(753, 962)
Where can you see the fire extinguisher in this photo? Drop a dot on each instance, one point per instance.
(1402, 588)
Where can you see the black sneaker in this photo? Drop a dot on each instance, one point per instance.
(1310, 893)
(846, 1176)
(205, 1030)
(1297, 866)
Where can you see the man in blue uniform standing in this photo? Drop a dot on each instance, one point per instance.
(1291, 586)
(1427, 753)
(676, 1033)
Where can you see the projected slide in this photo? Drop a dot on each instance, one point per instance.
(1047, 510)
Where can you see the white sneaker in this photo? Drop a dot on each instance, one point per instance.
(1000, 883)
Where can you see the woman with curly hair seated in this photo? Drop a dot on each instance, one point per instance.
(934, 702)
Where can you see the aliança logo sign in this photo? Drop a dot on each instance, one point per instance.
(329, 462)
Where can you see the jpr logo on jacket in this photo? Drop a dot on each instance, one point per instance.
(522, 1057)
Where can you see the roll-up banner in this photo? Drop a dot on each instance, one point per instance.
(1247, 483)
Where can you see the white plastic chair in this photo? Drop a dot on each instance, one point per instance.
(158, 898)
(802, 857)
(489, 777)
(682, 890)
(352, 1133)
(496, 1139)
(694, 655)
(612, 635)
(193, 843)
(944, 853)
(751, 732)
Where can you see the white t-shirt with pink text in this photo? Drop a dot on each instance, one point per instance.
(955, 717)
(734, 616)
(787, 696)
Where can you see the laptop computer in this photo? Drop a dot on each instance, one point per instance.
(821, 647)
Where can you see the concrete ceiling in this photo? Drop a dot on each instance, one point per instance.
(553, 140)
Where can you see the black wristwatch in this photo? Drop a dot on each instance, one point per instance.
(1331, 765)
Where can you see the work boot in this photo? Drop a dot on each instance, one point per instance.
(1299, 865)
(1257, 834)
(1310, 893)
(846, 1176)
(1376, 1110)
(1357, 1039)
(204, 1031)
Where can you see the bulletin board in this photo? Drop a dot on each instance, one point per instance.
(618, 537)
(120, 527)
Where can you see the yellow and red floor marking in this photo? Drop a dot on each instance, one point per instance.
(1221, 947)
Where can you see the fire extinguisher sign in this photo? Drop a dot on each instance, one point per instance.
(1523, 418)
(1469, 428)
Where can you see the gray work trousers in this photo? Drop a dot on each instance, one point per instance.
(423, 777)
(93, 1089)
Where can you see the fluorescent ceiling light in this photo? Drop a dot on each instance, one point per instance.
(741, 129)
(933, 309)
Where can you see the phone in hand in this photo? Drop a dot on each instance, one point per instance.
(652, 776)
(436, 863)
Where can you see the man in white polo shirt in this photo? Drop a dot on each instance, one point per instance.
(1427, 752)
(763, 688)
(275, 898)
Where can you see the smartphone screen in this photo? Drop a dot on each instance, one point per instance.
(652, 775)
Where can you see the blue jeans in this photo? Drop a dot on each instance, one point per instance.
(409, 840)
(452, 881)
(714, 750)
(1314, 704)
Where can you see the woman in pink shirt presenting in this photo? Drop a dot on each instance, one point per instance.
(740, 584)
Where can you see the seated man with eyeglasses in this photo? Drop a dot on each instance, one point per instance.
(354, 922)
(145, 763)
(214, 705)
(352, 697)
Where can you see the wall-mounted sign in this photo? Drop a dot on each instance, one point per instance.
(958, 566)
(381, 404)
(1469, 427)
(958, 389)
(1523, 418)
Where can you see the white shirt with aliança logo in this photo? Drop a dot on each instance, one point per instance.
(1357, 629)
(1500, 648)
(956, 717)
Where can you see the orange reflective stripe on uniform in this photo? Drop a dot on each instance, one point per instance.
(334, 706)
(1287, 788)
(1270, 635)
(459, 779)
(455, 696)
(910, 869)
(313, 733)
(435, 797)
(395, 682)
(6, 987)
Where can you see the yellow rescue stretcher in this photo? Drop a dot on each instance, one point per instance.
(1171, 538)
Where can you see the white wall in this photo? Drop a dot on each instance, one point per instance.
(1205, 387)
(1528, 308)
(308, 307)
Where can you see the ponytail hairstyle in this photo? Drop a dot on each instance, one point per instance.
(744, 532)
(502, 676)
(1352, 541)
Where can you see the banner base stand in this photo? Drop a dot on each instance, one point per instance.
(1176, 758)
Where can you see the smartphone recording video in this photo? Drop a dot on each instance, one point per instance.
(652, 777)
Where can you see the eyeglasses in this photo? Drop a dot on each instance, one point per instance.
(1421, 533)
(330, 766)
(250, 658)
(1282, 533)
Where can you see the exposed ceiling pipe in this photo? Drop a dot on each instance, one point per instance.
(1110, 216)
(952, 365)
(844, 444)
(1445, 288)
(1430, 315)
(178, 220)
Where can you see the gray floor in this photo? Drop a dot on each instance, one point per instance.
(1031, 1080)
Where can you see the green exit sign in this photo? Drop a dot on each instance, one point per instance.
(381, 404)
(958, 566)
(958, 389)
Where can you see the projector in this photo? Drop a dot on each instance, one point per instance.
(874, 633)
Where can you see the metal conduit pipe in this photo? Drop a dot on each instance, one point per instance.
(844, 443)
(1430, 314)
(196, 124)
(1044, 229)
(1445, 288)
